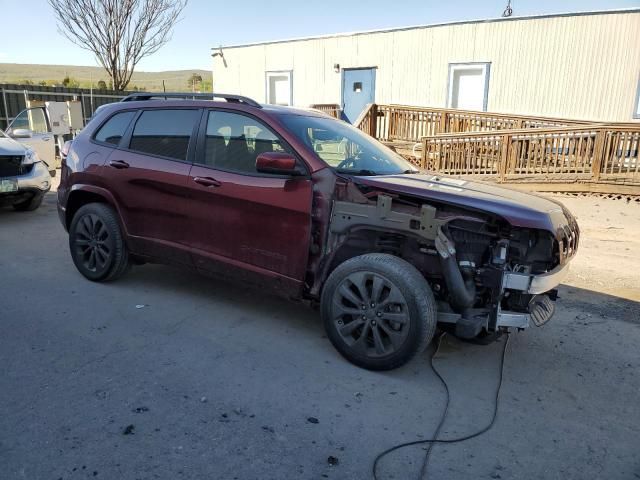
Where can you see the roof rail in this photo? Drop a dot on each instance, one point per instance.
(134, 97)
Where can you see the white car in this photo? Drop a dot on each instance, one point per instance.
(24, 178)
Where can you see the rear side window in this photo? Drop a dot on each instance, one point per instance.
(113, 130)
(164, 132)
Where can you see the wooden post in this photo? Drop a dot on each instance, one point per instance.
(504, 157)
(442, 128)
(423, 160)
(598, 154)
(373, 120)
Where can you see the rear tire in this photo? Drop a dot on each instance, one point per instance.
(378, 311)
(29, 205)
(96, 243)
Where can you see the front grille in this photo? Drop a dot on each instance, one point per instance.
(11, 166)
(569, 238)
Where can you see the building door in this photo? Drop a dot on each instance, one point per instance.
(468, 86)
(358, 89)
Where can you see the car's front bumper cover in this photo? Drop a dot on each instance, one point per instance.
(34, 183)
(38, 178)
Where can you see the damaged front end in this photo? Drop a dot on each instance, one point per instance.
(485, 273)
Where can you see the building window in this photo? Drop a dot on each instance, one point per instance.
(279, 88)
(468, 86)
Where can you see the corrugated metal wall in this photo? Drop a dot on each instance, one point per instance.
(582, 66)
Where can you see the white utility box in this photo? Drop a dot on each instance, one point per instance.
(59, 117)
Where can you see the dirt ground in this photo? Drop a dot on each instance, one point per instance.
(608, 259)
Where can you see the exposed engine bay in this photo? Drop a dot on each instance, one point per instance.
(485, 273)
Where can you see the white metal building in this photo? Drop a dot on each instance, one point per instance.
(578, 65)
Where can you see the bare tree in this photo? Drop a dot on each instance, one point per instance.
(119, 32)
(194, 80)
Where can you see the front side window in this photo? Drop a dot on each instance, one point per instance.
(164, 132)
(345, 148)
(31, 119)
(233, 142)
(113, 130)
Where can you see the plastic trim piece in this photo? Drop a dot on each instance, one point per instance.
(535, 284)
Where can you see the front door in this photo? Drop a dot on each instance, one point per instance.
(358, 89)
(242, 222)
(41, 140)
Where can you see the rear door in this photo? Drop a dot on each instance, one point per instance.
(148, 176)
(242, 221)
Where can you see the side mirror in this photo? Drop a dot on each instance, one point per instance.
(278, 163)
(65, 149)
(21, 133)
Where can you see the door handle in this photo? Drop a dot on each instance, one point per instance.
(119, 164)
(46, 139)
(207, 181)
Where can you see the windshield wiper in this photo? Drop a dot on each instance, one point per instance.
(350, 171)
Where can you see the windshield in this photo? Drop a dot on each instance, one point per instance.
(345, 148)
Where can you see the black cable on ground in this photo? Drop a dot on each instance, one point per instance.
(435, 440)
(443, 418)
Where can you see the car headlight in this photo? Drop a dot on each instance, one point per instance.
(30, 157)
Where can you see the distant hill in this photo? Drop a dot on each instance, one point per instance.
(175, 80)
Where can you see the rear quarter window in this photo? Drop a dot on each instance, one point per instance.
(114, 128)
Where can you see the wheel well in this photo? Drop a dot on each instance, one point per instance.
(398, 244)
(78, 199)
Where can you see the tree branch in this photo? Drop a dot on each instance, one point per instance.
(120, 33)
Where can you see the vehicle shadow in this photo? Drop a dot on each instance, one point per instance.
(575, 308)
(597, 304)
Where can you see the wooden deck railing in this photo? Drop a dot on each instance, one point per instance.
(405, 123)
(331, 109)
(545, 152)
(595, 153)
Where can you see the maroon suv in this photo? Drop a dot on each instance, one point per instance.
(310, 208)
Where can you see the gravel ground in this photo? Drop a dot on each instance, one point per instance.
(213, 380)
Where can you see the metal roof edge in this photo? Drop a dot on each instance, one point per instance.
(431, 25)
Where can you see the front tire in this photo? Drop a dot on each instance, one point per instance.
(96, 243)
(378, 311)
(29, 205)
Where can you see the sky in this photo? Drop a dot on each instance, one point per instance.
(30, 35)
